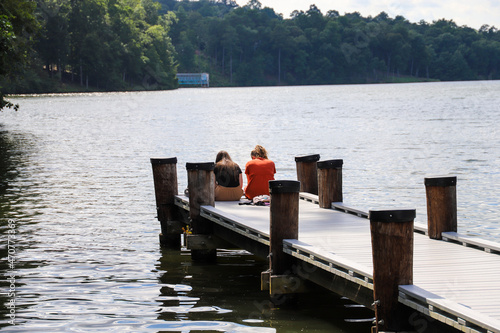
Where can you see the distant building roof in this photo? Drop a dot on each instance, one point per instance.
(193, 79)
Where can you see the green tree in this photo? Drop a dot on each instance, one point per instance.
(254, 4)
(117, 44)
(18, 27)
(419, 53)
(486, 58)
(452, 67)
(53, 44)
(229, 43)
(136, 44)
(281, 41)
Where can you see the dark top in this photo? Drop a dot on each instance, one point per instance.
(227, 178)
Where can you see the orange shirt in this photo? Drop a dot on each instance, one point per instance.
(259, 172)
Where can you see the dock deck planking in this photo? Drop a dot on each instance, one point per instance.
(462, 278)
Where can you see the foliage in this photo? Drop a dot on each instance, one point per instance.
(141, 44)
(252, 45)
(103, 45)
(17, 27)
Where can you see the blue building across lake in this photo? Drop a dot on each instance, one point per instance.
(193, 79)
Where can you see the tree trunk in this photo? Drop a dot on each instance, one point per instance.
(223, 49)
(279, 66)
(81, 73)
(231, 66)
(388, 64)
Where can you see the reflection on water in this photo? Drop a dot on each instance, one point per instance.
(86, 260)
(14, 152)
(75, 178)
(195, 293)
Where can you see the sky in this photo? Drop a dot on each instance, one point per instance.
(472, 13)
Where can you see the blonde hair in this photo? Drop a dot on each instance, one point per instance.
(259, 151)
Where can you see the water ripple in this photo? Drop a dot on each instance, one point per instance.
(76, 179)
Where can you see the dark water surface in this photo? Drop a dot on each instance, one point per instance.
(77, 194)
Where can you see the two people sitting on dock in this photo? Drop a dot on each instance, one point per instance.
(259, 170)
(228, 178)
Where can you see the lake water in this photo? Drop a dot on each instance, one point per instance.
(76, 185)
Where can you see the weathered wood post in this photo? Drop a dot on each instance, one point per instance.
(201, 189)
(329, 182)
(307, 173)
(392, 251)
(441, 193)
(165, 184)
(284, 224)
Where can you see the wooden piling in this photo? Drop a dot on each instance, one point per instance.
(284, 222)
(165, 185)
(307, 173)
(329, 182)
(201, 189)
(441, 193)
(392, 251)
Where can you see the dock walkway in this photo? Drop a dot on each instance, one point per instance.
(456, 284)
(382, 259)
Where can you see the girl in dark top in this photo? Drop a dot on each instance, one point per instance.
(228, 178)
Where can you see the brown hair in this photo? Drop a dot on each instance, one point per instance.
(226, 169)
(259, 151)
(222, 155)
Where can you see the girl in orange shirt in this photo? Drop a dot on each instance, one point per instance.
(260, 170)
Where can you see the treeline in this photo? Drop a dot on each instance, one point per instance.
(17, 25)
(99, 44)
(141, 44)
(251, 45)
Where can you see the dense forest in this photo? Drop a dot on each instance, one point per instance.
(252, 45)
(96, 45)
(17, 25)
(142, 44)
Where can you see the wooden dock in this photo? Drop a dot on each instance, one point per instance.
(453, 279)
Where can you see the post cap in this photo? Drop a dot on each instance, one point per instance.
(208, 166)
(168, 160)
(330, 164)
(441, 181)
(401, 215)
(284, 186)
(307, 158)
